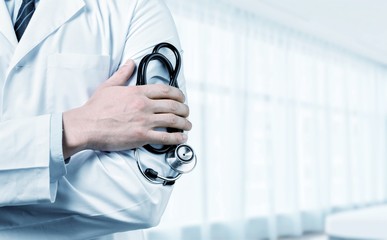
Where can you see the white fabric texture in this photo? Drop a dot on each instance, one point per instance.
(56, 164)
(287, 128)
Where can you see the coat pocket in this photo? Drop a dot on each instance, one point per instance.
(72, 78)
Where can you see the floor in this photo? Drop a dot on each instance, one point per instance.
(309, 237)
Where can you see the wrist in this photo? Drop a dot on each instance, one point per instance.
(75, 134)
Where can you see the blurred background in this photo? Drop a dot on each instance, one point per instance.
(289, 104)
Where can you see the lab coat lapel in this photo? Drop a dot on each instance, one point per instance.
(6, 26)
(48, 17)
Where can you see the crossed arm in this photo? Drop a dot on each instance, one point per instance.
(118, 117)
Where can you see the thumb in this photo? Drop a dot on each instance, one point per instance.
(122, 75)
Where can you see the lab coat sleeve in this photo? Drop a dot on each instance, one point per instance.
(104, 192)
(26, 162)
(57, 167)
(153, 25)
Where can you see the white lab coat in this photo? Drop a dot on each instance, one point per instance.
(68, 49)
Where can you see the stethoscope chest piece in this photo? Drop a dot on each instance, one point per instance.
(182, 159)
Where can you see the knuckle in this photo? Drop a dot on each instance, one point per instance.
(139, 103)
(172, 120)
(139, 134)
(173, 106)
(180, 137)
(140, 119)
(134, 90)
(165, 138)
(164, 89)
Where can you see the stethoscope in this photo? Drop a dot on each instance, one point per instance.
(180, 158)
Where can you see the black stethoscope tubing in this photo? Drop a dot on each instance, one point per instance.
(173, 72)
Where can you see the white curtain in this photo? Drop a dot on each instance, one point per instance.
(287, 128)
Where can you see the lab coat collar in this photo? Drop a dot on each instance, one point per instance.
(47, 18)
(6, 26)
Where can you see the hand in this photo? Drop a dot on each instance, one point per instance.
(119, 117)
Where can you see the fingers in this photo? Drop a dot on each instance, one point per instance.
(170, 106)
(171, 121)
(166, 138)
(122, 75)
(160, 91)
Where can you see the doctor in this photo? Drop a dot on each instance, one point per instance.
(64, 94)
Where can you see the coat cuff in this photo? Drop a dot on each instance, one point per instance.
(57, 164)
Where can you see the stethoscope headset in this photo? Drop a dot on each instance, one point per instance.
(180, 158)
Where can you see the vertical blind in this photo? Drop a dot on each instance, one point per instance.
(287, 127)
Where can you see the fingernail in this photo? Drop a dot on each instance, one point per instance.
(184, 137)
